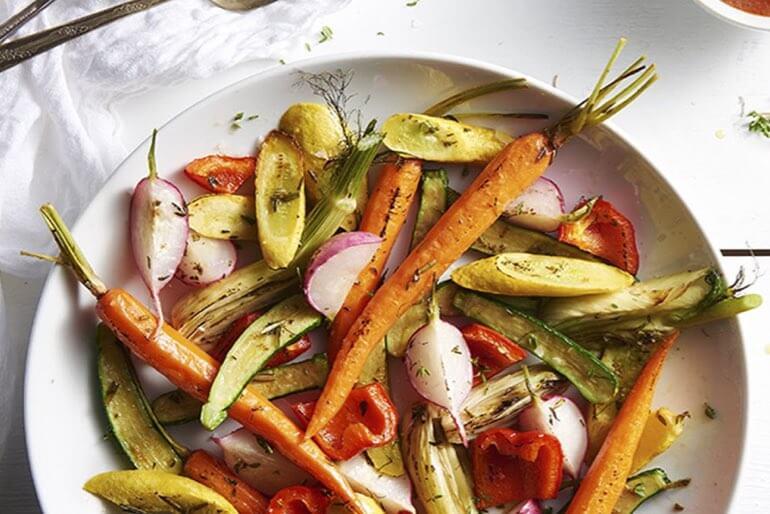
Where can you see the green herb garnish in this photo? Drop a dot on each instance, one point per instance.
(710, 411)
(760, 123)
(326, 34)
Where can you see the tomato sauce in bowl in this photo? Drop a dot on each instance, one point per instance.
(760, 7)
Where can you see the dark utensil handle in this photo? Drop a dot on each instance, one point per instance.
(24, 48)
(19, 19)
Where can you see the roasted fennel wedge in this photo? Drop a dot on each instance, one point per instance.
(143, 441)
(274, 330)
(223, 216)
(152, 491)
(279, 195)
(498, 401)
(441, 482)
(442, 140)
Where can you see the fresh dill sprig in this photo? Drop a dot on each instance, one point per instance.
(326, 34)
(760, 123)
(333, 87)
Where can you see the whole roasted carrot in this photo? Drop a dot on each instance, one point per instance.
(385, 214)
(191, 369)
(514, 169)
(606, 478)
(212, 472)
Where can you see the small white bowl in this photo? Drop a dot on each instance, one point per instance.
(734, 15)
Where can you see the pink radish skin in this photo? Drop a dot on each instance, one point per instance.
(158, 228)
(527, 507)
(394, 494)
(206, 260)
(540, 207)
(439, 366)
(560, 417)
(334, 268)
(264, 470)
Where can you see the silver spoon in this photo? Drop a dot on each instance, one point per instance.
(27, 47)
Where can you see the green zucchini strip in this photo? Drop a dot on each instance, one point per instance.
(130, 418)
(643, 486)
(433, 203)
(596, 382)
(274, 330)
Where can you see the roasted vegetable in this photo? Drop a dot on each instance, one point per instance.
(205, 260)
(393, 493)
(433, 203)
(276, 329)
(149, 491)
(177, 407)
(204, 314)
(279, 199)
(220, 173)
(131, 420)
(596, 382)
(492, 352)
(524, 274)
(663, 427)
(642, 487)
(223, 217)
(497, 402)
(441, 139)
(440, 481)
(367, 503)
(299, 498)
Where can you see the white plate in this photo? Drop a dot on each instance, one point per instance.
(65, 426)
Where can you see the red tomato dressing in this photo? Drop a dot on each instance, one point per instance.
(761, 7)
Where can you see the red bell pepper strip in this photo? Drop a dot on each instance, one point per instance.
(368, 419)
(515, 466)
(221, 174)
(239, 326)
(606, 233)
(492, 352)
(298, 499)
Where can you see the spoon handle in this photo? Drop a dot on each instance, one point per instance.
(27, 47)
(19, 19)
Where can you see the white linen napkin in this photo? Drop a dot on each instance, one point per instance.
(57, 135)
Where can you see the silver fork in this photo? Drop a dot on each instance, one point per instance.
(24, 48)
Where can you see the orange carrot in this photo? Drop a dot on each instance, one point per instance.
(514, 169)
(191, 369)
(385, 214)
(213, 473)
(606, 478)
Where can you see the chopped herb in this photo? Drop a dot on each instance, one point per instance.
(456, 350)
(307, 47)
(380, 33)
(326, 34)
(282, 61)
(423, 371)
(710, 411)
(639, 490)
(252, 117)
(678, 507)
(248, 219)
(265, 445)
(238, 116)
(280, 196)
(412, 3)
(760, 123)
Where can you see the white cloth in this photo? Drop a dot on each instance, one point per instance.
(57, 135)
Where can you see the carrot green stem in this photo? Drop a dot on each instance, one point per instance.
(71, 253)
(444, 106)
(43, 257)
(151, 156)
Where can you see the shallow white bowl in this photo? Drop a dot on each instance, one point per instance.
(64, 420)
(735, 16)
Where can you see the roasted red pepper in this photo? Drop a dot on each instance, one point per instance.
(606, 233)
(221, 174)
(367, 419)
(298, 499)
(492, 352)
(239, 326)
(515, 466)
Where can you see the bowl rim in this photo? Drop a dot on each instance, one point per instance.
(364, 55)
(735, 16)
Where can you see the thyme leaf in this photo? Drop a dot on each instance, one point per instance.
(760, 123)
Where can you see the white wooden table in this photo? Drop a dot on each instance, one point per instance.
(690, 125)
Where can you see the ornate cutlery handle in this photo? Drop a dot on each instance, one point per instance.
(25, 48)
(20, 18)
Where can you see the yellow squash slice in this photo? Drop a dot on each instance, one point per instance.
(223, 216)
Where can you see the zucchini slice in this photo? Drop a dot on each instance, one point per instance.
(155, 491)
(525, 274)
(277, 328)
(223, 217)
(497, 402)
(662, 429)
(643, 486)
(279, 198)
(131, 420)
(440, 480)
(433, 203)
(175, 407)
(442, 140)
(596, 382)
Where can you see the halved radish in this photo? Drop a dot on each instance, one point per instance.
(393, 493)
(526, 507)
(561, 418)
(258, 464)
(334, 268)
(439, 365)
(158, 225)
(205, 260)
(540, 207)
